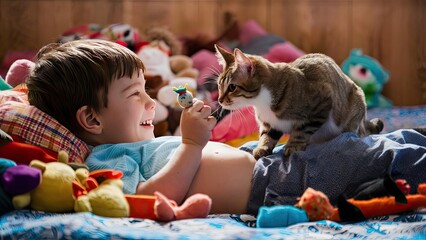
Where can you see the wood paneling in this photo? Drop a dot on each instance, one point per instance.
(392, 31)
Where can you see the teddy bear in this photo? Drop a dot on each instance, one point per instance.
(54, 193)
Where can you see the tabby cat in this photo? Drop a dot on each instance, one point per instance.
(309, 98)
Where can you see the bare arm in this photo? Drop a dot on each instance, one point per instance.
(176, 177)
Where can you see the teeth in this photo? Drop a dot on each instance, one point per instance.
(147, 122)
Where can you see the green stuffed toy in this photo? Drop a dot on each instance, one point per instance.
(4, 85)
(369, 74)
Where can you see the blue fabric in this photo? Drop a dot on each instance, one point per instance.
(138, 161)
(337, 167)
(38, 225)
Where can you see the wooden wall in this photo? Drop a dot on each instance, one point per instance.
(392, 31)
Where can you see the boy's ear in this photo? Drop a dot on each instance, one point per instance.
(88, 120)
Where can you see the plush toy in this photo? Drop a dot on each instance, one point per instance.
(370, 75)
(84, 31)
(4, 85)
(316, 206)
(162, 55)
(102, 197)
(15, 180)
(184, 97)
(54, 194)
(280, 216)
(196, 206)
(18, 72)
(101, 192)
(182, 66)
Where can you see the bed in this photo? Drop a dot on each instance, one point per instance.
(31, 224)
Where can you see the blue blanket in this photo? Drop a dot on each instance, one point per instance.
(38, 225)
(338, 167)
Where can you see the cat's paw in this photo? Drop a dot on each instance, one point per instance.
(261, 151)
(293, 147)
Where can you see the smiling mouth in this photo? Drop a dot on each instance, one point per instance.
(146, 123)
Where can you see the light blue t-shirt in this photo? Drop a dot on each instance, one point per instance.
(138, 160)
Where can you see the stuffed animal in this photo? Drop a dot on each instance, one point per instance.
(101, 192)
(4, 85)
(370, 75)
(102, 197)
(196, 206)
(15, 180)
(54, 194)
(184, 97)
(18, 72)
(316, 206)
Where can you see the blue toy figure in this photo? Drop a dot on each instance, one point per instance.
(369, 74)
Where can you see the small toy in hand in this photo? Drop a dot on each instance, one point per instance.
(185, 97)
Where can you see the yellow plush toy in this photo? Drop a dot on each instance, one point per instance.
(105, 198)
(54, 194)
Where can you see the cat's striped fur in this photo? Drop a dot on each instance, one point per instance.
(310, 98)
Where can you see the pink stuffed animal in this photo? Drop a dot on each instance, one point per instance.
(19, 71)
(196, 206)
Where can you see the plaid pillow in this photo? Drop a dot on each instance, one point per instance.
(35, 127)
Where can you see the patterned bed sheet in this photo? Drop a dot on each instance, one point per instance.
(26, 224)
(400, 117)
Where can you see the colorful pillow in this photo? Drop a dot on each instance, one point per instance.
(32, 126)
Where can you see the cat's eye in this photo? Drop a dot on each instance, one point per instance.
(232, 87)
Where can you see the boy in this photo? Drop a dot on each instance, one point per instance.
(96, 89)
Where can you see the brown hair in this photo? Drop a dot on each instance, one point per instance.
(75, 74)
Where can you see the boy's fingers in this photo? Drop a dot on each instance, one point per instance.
(197, 106)
(211, 121)
(205, 111)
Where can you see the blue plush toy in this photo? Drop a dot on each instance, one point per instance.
(280, 216)
(369, 74)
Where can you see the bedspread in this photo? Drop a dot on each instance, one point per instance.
(26, 224)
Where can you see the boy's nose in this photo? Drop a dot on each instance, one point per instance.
(150, 105)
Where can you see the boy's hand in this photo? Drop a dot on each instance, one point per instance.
(196, 124)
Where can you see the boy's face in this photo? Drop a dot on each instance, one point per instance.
(130, 111)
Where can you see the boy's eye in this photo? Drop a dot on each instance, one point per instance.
(137, 93)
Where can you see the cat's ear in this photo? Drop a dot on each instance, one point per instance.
(243, 61)
(224, 57)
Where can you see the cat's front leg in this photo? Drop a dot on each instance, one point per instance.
(268, 140)
(292, 147)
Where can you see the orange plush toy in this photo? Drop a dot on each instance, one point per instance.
(318, 207)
